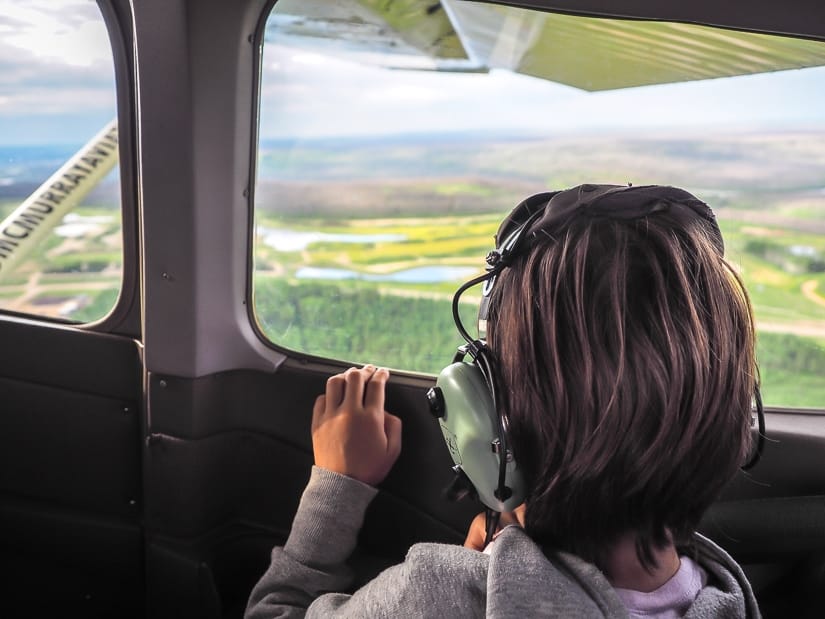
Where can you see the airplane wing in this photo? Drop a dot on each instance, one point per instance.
(406, 34)
(591, 54)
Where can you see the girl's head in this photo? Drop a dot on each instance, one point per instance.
(625, 351)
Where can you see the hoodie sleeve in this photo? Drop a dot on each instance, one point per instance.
(313, 560)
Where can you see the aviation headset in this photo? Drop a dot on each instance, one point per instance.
(464, 398)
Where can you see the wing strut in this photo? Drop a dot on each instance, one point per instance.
(27, 226)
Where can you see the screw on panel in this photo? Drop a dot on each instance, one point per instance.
(162, 383)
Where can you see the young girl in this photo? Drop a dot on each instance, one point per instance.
(623, 348)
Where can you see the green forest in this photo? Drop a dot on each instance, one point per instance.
(359, 324)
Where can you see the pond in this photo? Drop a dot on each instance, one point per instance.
(417, 275)
(76, 226)
(294, 240)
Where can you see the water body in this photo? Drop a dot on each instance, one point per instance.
(76, 226)
(416, 275)
(294, 240)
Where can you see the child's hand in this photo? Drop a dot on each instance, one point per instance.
(352, 434)
(478, 527)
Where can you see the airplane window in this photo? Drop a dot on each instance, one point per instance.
(60, 220)
(392, 142)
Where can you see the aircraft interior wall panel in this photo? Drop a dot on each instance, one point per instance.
(226, 459)
(70, 536)
(768, 529)
(34, 586)
(194, 487)
(219, 504)
(70, 448)
(238, 400)
(246, 430)
(83, 564)
(791, 464)
(181, 585)
(70, 476)
(73, 359)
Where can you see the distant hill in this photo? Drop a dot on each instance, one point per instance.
(24, 168)
(464, 172)
(482, 173)
(777, 160)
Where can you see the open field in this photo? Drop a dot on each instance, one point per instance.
(78, 264)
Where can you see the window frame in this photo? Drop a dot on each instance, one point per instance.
(305, 358)
(124, 317)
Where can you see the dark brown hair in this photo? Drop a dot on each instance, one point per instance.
(627, 370)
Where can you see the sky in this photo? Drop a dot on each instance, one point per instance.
(57, 86)
(56, 71)
(364, 99)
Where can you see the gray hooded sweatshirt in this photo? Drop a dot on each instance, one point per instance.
(517, 579)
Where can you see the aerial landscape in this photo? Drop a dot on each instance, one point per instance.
(360, 243)
(369, 243)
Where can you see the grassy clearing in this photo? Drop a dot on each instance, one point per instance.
(17, 278)
(7, 206)
(79, 278)
(464, 189)
(72, 268)
(792, 389)
(98, 306)
(774, 264)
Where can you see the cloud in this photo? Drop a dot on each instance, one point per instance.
(69, 32)
(309, 94)
(56, 71)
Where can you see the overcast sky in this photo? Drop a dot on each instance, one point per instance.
(57, 85)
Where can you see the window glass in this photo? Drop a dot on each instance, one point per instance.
(60, 219)
(392, 145)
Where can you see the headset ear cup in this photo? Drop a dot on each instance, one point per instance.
(464, 396)
(470, 426)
